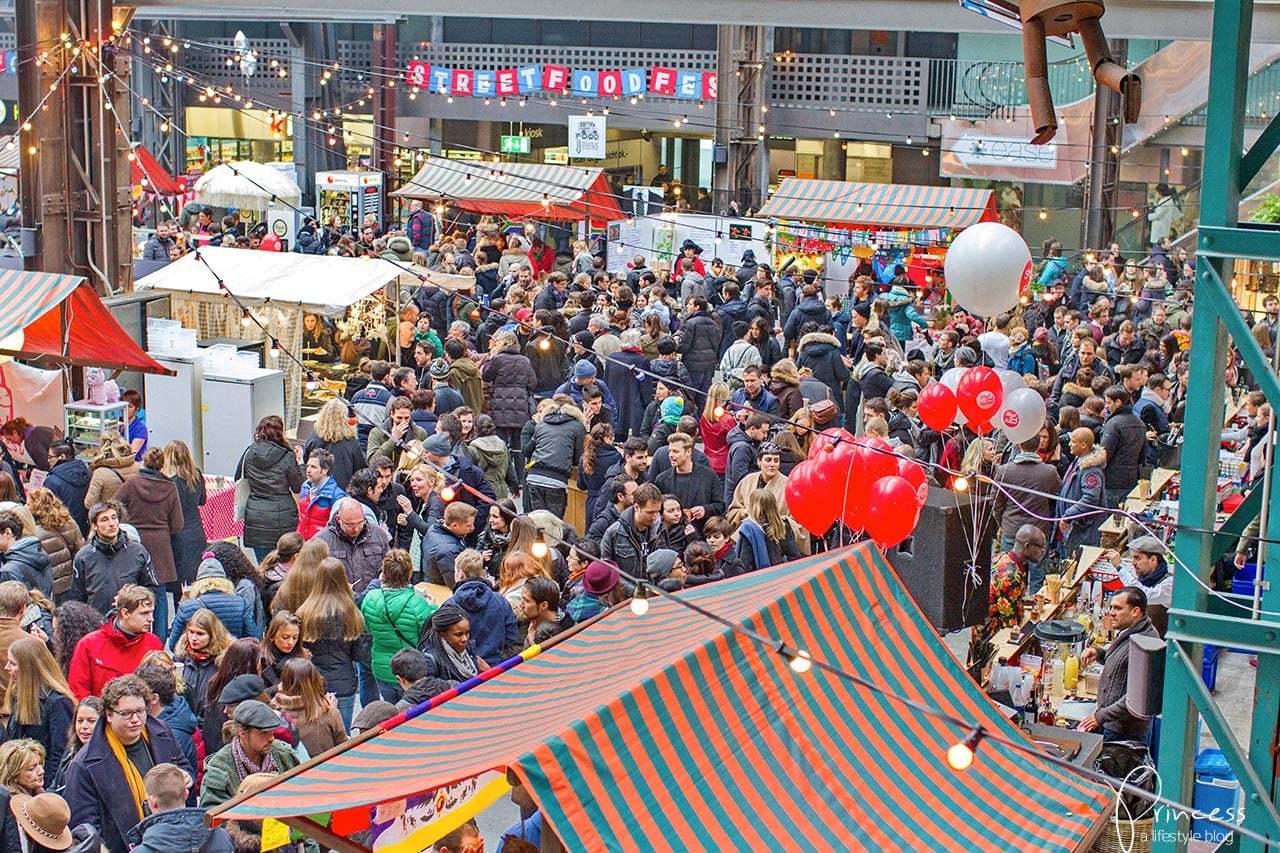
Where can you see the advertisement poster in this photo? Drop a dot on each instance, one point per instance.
(413, 824)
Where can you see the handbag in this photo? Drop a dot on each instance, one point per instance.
(242, 499)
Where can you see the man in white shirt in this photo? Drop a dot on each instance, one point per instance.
(1149, 570)
(996, 342)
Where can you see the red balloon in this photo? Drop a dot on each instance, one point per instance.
(937, 406)
(827, 439)
(913, 472)
(854, 467)
(894, 511)
(809, 499)
(979, 394)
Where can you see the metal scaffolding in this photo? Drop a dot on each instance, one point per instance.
(1198, 618)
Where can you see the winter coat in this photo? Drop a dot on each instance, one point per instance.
(762, 402)
(308, 244)
(362, 555)
(556, 445)
(874, 382)
(699, 342)
(182, 723)
(152, 506)
(222, 780)
(632, 391)
(789, 398)
(109, 475)
(196, 673)
(216, 594)
(1083, 488)
(627, 547)
(381, 442)
(903, 316)
(715, 440)
(274, 479)
(492, 456)
(101, 568)
(741, 460)
(348, 456)
(97, 792)
(61, 546)
(511, 375)
(315, 505)
(809, 310)
(595, 483)
(465, 377)
(50, 731)
(179, 831)
(1026, 471)
(190, 542)
(69, 481)
(600, 520)
(1124, 437)
(1023, 361)
(1113, 685)
(105, 654)
(395, 618)
(318, 735)
(370, 407)
(439, 549)
(1117, 353)
(27, 563)
(493, 622)
(820, 353)
(739, 355)
(336, 657)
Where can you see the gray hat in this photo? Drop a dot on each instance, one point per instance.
(242, 687)
(660, 563)
(372, 714)
(438, 445)
(439, 369)
(1148, 545)
(253, 714)
(211, 567)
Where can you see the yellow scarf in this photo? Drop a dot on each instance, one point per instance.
(131, 774)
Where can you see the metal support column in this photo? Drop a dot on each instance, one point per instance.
(1104, 161)
(1216, 324)
(385, 38)
(742, 69)
(318, 143)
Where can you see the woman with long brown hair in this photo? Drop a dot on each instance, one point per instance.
(38, 703)
(155, 510)
(59, 535)
(298, 582)
(274, 478)
(197, 651)
(189, 542)
(333, 630)
(240, 658)
(301, 697)
(598, 455)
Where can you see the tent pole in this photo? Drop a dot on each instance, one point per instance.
(322, 834)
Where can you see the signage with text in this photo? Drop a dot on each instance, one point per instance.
(515, 144)
(680, 83)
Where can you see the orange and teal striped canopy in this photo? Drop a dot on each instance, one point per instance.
(670, 731)
(883, 205)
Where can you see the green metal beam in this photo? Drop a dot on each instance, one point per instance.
(1257, 636)
(1236, 523)
(1239, 241)
(1212, 294)
(1261, 150)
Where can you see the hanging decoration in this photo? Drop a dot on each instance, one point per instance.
(666, 82)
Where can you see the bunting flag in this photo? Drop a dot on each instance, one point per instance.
(679, 83)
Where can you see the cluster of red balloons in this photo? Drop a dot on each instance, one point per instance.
(860, 481)
(973, 393)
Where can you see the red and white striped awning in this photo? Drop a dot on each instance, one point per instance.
(26, 296)
(886, 205)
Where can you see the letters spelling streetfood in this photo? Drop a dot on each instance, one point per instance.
(666, 82)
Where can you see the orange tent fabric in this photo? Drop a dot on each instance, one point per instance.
(95, 338)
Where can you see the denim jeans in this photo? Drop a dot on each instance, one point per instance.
(1035, 571)
(390, 691)
(160, 622)
(347, 708)
(368, 688)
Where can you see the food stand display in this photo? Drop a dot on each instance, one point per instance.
(839, 227)
(256, 189)
(659, 238)
(349, 195)
(87, 423)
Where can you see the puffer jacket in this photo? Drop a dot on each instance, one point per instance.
(179, 831)
(557, 444)
(809, 310)
(274, 480)
(61, 547)
(218, 595)
(308, 244)
(27, 563)
(699, 342)
(109, 476)
(361, 555)
(153, 507)
(465, 377)
(101, 568)
(106, 654)
(315, 505)
(336, 657)
(513, 382)
(820, 353)
(902, 313)
(69, 481)
(493, 622)
(395, 618)
(1124, 437)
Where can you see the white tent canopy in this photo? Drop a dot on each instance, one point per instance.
(321, 284)
(246, 185)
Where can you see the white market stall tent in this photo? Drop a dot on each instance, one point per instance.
(659, 238)
(247, 185)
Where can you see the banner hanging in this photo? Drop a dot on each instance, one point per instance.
(663, 81)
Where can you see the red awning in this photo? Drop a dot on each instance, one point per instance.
(145, 165)
(96, 339)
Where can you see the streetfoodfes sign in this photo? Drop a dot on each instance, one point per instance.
(680, 83)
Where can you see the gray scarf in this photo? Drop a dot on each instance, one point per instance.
(463, 663)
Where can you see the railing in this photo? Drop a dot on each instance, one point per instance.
(981, 88)
(889, 84)
(1261, 99)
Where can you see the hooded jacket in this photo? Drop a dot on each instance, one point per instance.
(106, 654)
(399, 249)
(101, 568)
(465, 377)
(820, 352)
(110, 473)
(315, 505)
(61, 546)
(747, 269)
(218, 595)
(493, 622)
(809, 310)
(513, 382)
(1083, 487)
(440, 547)
(153, 507)
(27, 563)
(69, 480)
(274, 479)
(308, 244)
(361, 555)
(902, 313)
(492, 456)
(395, 618)
(557, 444)
(1026, 471)
(179, 831)
(699, 342)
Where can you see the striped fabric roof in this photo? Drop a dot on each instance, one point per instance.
(890, 205)
(516, 189)
(24, 296)
(669, 730)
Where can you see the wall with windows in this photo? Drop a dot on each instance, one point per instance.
(588, 33)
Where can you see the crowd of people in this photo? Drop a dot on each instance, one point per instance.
(152, 674)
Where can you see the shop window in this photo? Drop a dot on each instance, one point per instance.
(612, 34)
(468, 30)
(563, 33)
(515, 31)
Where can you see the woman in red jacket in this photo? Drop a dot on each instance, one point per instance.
(715, 427)
(118, 646)
(541, 257)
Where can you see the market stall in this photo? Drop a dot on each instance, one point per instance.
(659, 238)
(280, 289)
(843, 226)
(670, 730)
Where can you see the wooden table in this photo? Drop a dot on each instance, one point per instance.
(1005, 641)
(1114, 532)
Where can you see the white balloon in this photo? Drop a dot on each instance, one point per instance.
(987, 266)
(951, 378)
(1023, 415)
(1011, 380)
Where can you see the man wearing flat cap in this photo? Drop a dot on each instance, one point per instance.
(1151, 572)
(252, 749)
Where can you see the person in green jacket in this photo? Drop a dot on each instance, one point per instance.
(395, 614)
(253, 749)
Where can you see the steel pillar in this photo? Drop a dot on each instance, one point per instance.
(1216, 324)
(742, 66)
(311, 48)
(1104, 161)
(385, 38)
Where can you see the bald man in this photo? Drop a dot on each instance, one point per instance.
(1009, 579)
(1083, 492)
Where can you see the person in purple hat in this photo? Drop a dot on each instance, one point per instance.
(601, 589)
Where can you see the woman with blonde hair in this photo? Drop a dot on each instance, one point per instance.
(333, 630)
(979, 459)
(197, 651)
(59, 535)
(38, 704)
(715, 425)
(297, 583)
(764, 537)
(22, 766)
(113, 465)
(337, 434)
(214, 591)
(189, 542)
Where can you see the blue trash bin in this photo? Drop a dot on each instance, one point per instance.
(1217, 793)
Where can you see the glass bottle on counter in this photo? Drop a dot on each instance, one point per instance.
(1047, 715)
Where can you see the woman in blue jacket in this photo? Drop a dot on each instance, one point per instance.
(213, 591)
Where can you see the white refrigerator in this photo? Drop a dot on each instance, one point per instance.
(232, 405)
(174, 404)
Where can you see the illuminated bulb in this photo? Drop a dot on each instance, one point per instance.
(544, 344)
(274, 350)
(959, 756)
(31, 149)
(961, 484)
(539, 548)
(132, 156)
(439, 210)
(26, 125)
(1044, 214)
(447, 494)
(1185, 152)
(801, 662)
(246, 319)
(640, 600)
(718, 412)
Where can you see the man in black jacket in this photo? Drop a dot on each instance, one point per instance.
(732, 310)
(629, 540)
(1124, 439)
(69, 480)
(699, 343)
(697, 486)
(618, 491)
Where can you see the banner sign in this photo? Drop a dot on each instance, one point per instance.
(832, 239)
(679, 83)
(587, 137)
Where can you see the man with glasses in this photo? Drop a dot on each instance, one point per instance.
(105, 780)
(1153, 409)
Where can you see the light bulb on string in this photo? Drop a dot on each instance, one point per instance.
(798, 659)
(246, 318)
(961, 484)
(539, 547)
(960, 755)
(640, 599)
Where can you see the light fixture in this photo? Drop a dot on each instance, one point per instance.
(1044, 214)
(539, 548)
(718, 412)
(961, 484)
(447, 494)
(246, 319)
(544, 344)
(640, 599)
(960, 755)
(798, 659)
